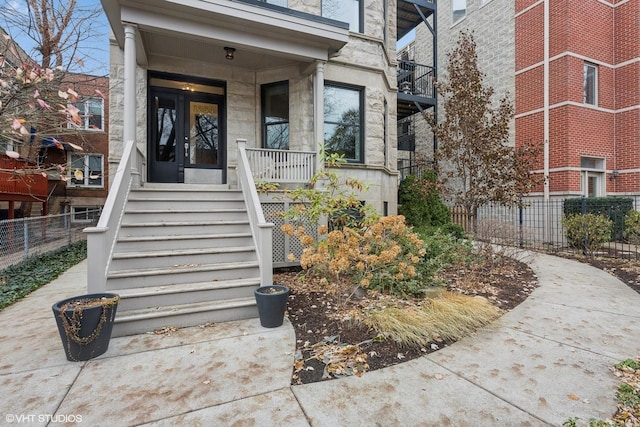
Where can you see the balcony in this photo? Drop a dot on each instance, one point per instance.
(416, 92)
(20, 186)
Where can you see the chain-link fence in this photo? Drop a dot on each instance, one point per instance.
(24, 237)
(539, 225)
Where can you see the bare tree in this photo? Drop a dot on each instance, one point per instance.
(477, 164)
(58, 30)
(37, 97)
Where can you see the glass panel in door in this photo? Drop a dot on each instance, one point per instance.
(203, 147)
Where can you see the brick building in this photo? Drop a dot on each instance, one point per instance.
(581, 92)
(82, 187)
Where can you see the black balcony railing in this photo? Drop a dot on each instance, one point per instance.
(415, 79)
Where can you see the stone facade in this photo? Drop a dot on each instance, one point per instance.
(492, 25)
(367, 61)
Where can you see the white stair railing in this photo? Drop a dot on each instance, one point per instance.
(101, 238)
(262, 231)
(281, 165)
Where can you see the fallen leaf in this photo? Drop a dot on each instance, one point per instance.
(573, 397)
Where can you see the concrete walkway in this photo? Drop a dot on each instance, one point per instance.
(546, 361)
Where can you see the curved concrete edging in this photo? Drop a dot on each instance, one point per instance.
(544, 362)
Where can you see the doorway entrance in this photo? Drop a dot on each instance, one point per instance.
(187, 140)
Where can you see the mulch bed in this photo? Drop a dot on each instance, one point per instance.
(318, 316)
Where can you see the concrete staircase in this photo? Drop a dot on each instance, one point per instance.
(184, 256)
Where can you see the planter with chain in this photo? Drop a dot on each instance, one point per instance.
(85, 323)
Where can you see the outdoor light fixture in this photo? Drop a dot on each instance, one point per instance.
(230, 51)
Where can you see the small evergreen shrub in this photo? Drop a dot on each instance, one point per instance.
(587, 231)
(632, 227)
(613, 208)
(420, 201)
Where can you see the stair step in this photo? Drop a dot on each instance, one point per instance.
(180, 274)
(183, 315)
(155, 296)
(184, 215)
(177, 257)
(181, 228)
(142, 243)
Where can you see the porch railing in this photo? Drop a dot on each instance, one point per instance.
(281, 165)
(415, 79)
(101, 238)
(262, 231)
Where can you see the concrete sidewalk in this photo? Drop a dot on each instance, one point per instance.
(546, 361)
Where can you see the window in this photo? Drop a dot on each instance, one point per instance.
(384, 20)
(590, 84)
(283, 3)
(275, 116)
(349, 11)
(592, 179)
(459, 10)
(91, 114)
(85, 213)
(385, 136)
(343, 114)
(85, 170)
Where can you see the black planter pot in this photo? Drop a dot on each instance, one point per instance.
(85, 323)
(272, 303)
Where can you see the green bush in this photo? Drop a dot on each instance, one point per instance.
(587, 231)
(19, 280)
(632, 227)
(420, 202)
(614, 208)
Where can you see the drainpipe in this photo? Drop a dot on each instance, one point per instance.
(318, 111)
(546, 225)
(129, 111)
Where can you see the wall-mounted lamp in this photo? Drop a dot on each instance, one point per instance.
(230, 51)
(614, 174)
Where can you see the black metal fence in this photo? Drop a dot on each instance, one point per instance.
(538, 225)
(24, 237)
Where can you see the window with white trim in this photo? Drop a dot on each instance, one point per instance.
(590, 83)
(86, 170)
(458, 10)
(592, 171)
(85, 213)
(91, 113)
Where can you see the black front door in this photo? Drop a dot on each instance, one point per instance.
(186, 130)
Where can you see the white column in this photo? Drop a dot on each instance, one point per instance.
(318, 110)
(129, 119)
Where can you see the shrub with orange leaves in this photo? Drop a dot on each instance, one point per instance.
(385, 255)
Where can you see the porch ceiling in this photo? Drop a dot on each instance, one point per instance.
(198, 30)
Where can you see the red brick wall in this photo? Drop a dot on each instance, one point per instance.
(598, 33)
